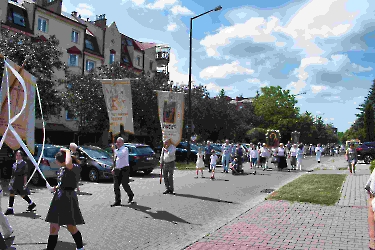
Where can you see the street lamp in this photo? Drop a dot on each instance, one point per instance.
(190, 121)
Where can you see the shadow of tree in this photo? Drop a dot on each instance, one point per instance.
(204, 198)
(31, 215)
(158, 215)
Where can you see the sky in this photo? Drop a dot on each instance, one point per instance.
(325, 48)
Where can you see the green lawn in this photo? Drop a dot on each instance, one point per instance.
(321, 189)
(184, 166)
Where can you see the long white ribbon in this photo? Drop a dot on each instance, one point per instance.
(11, 120)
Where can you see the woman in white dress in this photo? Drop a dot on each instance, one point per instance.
(200, 162)
(318, 152)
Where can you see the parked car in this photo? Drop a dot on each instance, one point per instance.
(7, 159)
(96, 163)
(366, 152)
(141, 157)
(181, 152)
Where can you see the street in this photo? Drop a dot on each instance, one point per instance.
(154, 221)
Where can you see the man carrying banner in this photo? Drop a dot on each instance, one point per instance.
(168, 165)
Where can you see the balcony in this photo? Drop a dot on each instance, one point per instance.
(162, 55)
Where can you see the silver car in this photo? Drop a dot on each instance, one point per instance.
(47, 164)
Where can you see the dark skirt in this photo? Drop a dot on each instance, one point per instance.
(64, 209)
(262, 160)
(17, 186)
(282, 162)
(293, 161)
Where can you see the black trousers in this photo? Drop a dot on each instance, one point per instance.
(207, 160)
(121, 176)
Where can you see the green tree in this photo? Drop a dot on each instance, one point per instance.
(222, 93)
(43, 60)
(256, 135)
(369, 122)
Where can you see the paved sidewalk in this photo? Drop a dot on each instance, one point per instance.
(285, 225)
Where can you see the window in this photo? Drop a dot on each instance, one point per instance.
(42, 25)
(129, 42)
(151, 64)
(50, 1)
(70, 115)
(18, 19)
(111, 58)
(90, 65)
(89, 45)
(73, 60)
(75, 36)
(138, 60)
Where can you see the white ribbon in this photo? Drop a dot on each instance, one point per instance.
(11, 120)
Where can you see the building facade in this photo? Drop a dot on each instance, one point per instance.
(85, 44)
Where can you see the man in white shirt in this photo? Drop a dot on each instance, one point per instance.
(167, 158)
(121, 172)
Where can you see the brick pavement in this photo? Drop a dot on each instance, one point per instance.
(285, 225)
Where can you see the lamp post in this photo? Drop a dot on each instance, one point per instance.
(190, 121)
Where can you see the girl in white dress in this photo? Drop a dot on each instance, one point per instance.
(213, 158)
(318, 152)
(200, 162)
(300, 156)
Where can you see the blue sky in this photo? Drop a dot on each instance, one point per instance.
(325, 48)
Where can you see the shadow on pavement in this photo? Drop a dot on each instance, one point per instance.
(158, 215)
(204, 198)
(83, 193)
(143, 175)
(31, 215)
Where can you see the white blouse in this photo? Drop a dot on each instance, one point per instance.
(281, 151)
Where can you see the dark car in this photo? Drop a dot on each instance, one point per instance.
(141, 157)
(366, 152)
(96, 163)
(181, 151)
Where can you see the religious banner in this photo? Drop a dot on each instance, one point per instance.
(273, 138)
(171, 114)
(295, 137)
(118, 98)
(24, 124)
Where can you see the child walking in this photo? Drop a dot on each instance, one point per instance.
(200, 162)
(64, 208)
(293, 155)
(352, 158)
(254, 157)
(300, 156)
(18, 182)
(213, 162)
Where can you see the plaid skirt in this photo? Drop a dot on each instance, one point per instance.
(64, 209)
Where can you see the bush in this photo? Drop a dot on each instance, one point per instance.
(372, 166)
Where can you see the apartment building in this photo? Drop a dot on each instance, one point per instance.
(85, 44)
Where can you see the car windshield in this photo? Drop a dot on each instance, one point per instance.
(145, 150)
(49, 152)
(96, 153)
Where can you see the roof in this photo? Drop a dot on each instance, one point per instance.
(18, 9)
(64, 15)
(144, 46)
(94, 42)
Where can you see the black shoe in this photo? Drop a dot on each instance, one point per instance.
(166, 192)
(116, 204)
(172, 192)
(31, 207)
(130, 199)
(9, 211)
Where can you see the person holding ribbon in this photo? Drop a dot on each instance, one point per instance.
(17, 184)
(73, 150)
(64, 208)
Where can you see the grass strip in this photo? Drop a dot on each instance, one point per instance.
(323, 189)
(184, 166)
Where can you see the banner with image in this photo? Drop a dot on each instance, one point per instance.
(118, 99)
(273, 138)
(24, 125)
(171, 114)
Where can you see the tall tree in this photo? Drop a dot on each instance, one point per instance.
(222, 93)
(369, 122)
(43, 60)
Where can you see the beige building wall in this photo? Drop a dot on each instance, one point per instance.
(112, 41)
(137, 54)
(150, 62)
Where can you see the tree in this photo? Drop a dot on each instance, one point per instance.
(256, 135)
(369, 122)
(222, 93)
(43, 60)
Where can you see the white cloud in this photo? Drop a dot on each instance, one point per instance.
(171, 27)
(223, 70)
(161, 4)
(174, 74)
(332, 119)
(181, 10)
(85, 9)
(213, 87)
(137, 2)
(63, 7)
(318, 88)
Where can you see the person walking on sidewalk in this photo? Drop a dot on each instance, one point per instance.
(264, 154)
(64, 208)
(169, 158)
(207, 155)
(18, 182)
(121, 172)
(318, 152)
(199, 164)
(73, 151)
(300, 156)
(281, 155)
(213, 163)
(254, 157)
(352, 157)
(226, 150)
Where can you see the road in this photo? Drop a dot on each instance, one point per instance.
(154, 221)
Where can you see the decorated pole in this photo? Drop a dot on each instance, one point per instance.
(295, 137)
